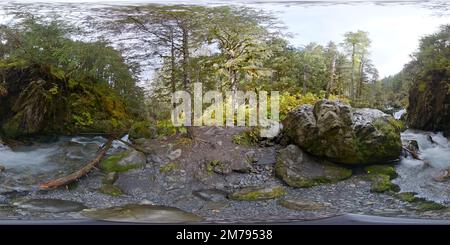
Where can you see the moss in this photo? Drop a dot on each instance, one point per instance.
(382, 183)
(301, 205)
(397, 124)
(421, 203)
(381, 169)
(184, 141)
(111, 190)
(141, 130)
(429, 205)
(215, 166)
(407, 197)
(169, 167)
(111, 164)
(247, 137)
(254, 194)
(165, 128)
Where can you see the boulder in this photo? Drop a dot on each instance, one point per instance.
(343, 134)
(299, 169)
(142, 213)
(124, 161)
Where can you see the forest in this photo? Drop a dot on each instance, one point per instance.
(81, 105)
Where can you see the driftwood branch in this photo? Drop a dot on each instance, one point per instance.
(413, 153)
(66, 180)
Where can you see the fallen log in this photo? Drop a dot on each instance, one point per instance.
(413, 153)
(66, 180)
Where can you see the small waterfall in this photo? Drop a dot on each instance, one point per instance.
(420, 176)
(27, 166)
(398, 114)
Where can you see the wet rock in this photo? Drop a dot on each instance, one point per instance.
(112, 190)
(174, 154)
(343, 134)
(124, 161)
(382, 183)
(143, 214)
(412, 145)
(257, 193)
(299, 169)
(50, 205)
(442, 176)
(382, 169)
(301, 205)
(4, 200)
(268, 158)
(213, 195)
(251, 156)
(2, 168)
(219, 167)
(110, 178)
(153, 158)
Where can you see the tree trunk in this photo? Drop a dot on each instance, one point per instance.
(304, 80)
(64, 181)
(185, 49)
(352, 81)
(332, 76)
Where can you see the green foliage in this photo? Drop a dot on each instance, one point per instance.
(64, 86)
(169, 167)
(247, 137)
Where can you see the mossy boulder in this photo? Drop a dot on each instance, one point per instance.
(343, 134)
(124, 161)
(382, 183)
(257, 193)
(381, 169)
(299, 169)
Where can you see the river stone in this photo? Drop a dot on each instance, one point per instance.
(143, 213)
(213, 195)
(2, 168)
(133, 158)
(302, 205)
(257, 193)
(299, 169)
(343, 134)
(174, 154)
(124, 161)
(50, 205)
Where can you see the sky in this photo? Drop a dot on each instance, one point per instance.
(394, 28)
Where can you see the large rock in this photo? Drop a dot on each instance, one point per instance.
(429, 104)
(343, 134)
(124, 161)
(138, 213)
(299, 169)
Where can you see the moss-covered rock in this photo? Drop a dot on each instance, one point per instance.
(382, 183)
(169, 167)
(301, 205)
(421, 203)
(257, 193)
(123, 162)
(299, 169)
(343, 134)
(381, 169)
(111, 190)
